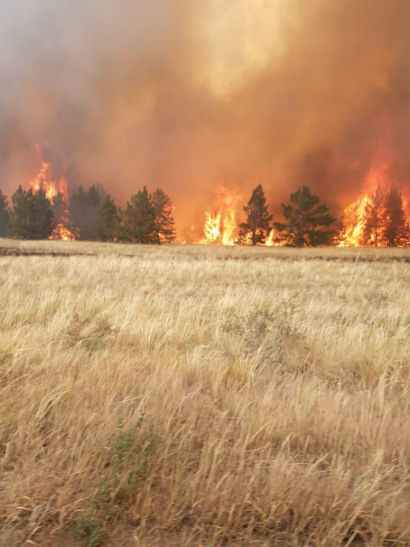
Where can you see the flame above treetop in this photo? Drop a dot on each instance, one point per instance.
(377, 218)
(53, 188)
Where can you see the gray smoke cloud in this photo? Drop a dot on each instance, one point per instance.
(192, 94)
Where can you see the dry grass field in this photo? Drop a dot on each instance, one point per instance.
(202, 396)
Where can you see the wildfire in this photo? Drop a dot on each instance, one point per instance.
(378, 217)
(61, 232)
(54, 188)
(212, 227)
(274, 239)
(221, 226)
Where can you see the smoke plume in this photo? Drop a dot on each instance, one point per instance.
(192, 94)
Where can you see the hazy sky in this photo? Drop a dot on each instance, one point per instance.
(192, 94)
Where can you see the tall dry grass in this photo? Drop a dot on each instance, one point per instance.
(196, 396)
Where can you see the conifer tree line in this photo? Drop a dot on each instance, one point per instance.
(148, 218)
(92, 215)
(309, 222)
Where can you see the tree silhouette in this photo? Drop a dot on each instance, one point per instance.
(107, 220)
(307, 220)
(164, 215)
(4, 216)
(85, 210)
(257, 225)
(385, 224)
(397, 231)
(32, 214)
(59, 209)
(376, 219)
(139, 223)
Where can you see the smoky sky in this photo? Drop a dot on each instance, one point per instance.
(194, 94)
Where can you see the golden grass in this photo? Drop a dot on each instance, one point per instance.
(203, 396)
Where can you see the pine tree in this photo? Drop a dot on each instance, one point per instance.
(4, 216)
(164, 215)
(42, 224)
(85, 211)
(59, 209)
(396, 232)
(20, 216)
(257, 225)
(32, 215)
(139, 219)
(108, 220)
(307, 220)
(385, 224)
(376, 218)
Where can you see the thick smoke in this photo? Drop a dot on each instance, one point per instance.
(192, 94)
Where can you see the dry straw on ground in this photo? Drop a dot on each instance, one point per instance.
(203, 396)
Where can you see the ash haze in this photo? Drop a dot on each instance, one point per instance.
(192, 94)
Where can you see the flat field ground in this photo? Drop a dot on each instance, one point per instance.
(203, 396)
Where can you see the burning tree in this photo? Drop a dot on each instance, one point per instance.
(257, 227)
(55, 190)
(221, 223)
(377, 218)
(397, 231)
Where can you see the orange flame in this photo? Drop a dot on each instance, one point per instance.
(61, 232)
(367, 220)
(275, 239)
(52, 188)
(221, 226)
(212, 228)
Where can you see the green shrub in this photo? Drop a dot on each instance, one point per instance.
(89, 531)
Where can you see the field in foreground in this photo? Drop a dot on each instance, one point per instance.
(191, 396)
